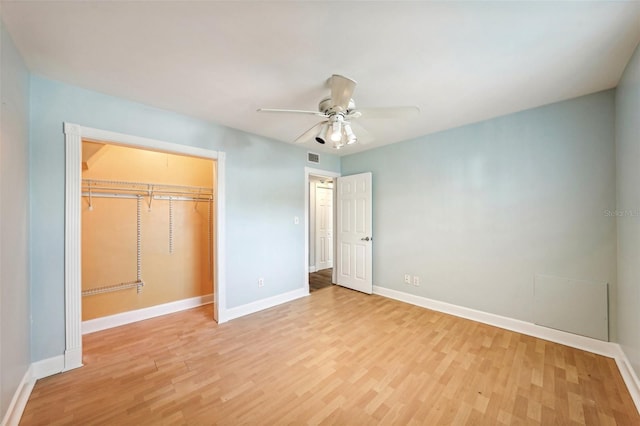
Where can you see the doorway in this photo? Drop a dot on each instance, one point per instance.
(320, 223)
(321, 246)
(319, 228)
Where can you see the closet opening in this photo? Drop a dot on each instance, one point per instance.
(147, 233)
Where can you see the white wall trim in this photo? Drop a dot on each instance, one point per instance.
(55, 365)
(19, 400)
(116, 138)
(74, 134)
(72, 245)
(111, 321)
(628, 375)
(220, 261)
(48, 367)
(308, 171)
(608, 349)
(72, 358)
(267, 303)
(579, 342)
(36, 370)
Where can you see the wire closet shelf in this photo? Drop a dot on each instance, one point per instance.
(158, 191)
(139, 190)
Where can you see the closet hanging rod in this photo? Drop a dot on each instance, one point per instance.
(146, 191)
(155, 197)
(146, 187)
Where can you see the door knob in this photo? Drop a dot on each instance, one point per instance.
(365, 239)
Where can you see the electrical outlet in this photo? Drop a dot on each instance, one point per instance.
(407, 278)
(416, 280)
(260, 282)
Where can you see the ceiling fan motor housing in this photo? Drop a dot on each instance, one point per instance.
(328, 107)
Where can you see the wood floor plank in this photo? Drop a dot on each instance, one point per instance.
(321, 279)
(336, 357)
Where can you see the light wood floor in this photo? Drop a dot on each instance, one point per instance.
(336, 357)
(321, 279)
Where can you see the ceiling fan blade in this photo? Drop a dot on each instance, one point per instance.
(391, 112)
(341, 91)
(293, 111)
(311, 133)
(364, 137)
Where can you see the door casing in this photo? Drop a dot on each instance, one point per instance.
(74, 134)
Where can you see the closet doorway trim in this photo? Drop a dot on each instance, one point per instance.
(73, 135)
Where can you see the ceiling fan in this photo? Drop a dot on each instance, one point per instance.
(338, 111)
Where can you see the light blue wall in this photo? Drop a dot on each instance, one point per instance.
(628, 186)
(476, 211)
(264, 184)
(14, 209)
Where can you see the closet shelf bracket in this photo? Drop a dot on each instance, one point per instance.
(150, 194)
(90, 201)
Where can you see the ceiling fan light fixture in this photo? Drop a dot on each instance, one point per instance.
(351, 137)
(336, 134)
(322, 134)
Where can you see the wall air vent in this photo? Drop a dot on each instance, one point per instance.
(312, 157)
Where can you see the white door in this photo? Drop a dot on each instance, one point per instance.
(354, 239)
(324, 228)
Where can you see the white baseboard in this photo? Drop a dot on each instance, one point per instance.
(55, 365)
(48, 367)
(628, 375)
(580, 342)
(312, 269)
(61, 363)
(260, 305)
(608, 349)
(91, 326)
(19, 400)
(73, 358)
(37, 370)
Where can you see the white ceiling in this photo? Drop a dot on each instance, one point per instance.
(461, 62)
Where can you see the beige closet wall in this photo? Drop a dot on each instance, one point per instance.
(109, 232)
